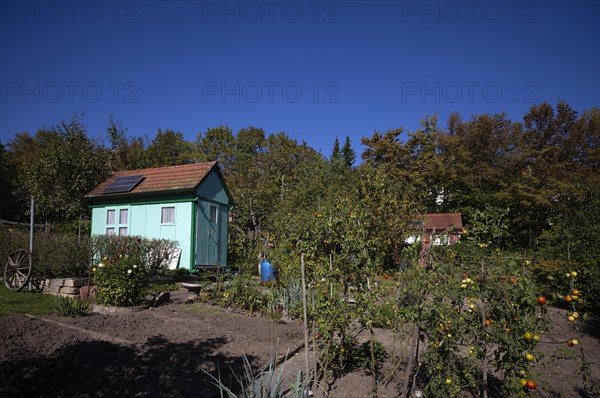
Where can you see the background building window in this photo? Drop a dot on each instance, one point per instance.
(167, 215)
(110, 231)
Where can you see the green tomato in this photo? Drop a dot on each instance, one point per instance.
(523, 382)
(529, 356)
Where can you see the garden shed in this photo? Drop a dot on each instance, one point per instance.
(188, 204)
(440, 228)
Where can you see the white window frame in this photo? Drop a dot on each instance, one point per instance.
(123, 226)
(162, 218)
(111, 228)
(117, 228)
(127, 216)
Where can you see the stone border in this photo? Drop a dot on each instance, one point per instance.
(107, 310)
(68, 287)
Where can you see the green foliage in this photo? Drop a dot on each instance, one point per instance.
(169, 148)
(10, 203)
(571, 244)
(572, 281)
(216, 144)
(348, 154)
(474, 297)
(242, 293)
(54, 255)
(58, 166)
(70, 306)
(154, 253)
(121, 280)
(548, 275)
(125, 153)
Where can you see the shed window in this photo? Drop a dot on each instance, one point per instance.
(212, 215)
(110, 222)
(123, 216)
(118, 226)
(167, 215)
(110, 217)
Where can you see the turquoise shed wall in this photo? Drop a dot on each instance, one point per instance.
(212, 189)
(145, 220)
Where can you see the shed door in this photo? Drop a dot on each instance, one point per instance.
(207, 234)
(212, 248)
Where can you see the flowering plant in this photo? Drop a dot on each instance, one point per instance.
(121, 280)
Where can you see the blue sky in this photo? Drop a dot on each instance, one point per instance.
(314, 69)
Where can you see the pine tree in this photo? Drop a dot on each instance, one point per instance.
(348, 153)
(336, 154)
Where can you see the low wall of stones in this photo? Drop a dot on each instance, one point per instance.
(68, 287)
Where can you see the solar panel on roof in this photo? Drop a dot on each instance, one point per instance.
(123, 184)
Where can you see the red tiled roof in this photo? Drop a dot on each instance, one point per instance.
(438, 221)
(160, 179)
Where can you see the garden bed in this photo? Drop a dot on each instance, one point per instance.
(162, 349)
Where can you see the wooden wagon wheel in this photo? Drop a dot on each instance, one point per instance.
(17, 270)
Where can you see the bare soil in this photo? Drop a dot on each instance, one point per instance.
(159, 352)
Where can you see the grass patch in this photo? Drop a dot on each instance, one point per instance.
(156, 288)
(201, 309)
(25, 302)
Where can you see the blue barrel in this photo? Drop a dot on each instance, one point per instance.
(267, 273)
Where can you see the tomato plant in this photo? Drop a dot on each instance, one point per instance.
(495, 313)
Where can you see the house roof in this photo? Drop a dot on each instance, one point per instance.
(438, 221)
(159, 180)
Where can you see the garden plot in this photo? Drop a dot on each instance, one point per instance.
(153, 352)
(158, 352)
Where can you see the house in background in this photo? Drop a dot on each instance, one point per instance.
(188, 204)
(436, 228)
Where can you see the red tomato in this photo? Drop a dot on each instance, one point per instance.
(531, 385)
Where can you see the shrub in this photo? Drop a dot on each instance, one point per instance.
(154, 253)
(243, 293)
(54, 255)
(69, 306)
(121, 280)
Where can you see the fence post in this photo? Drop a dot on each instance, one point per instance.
(484, 363)
(31, 224)
(31, 233)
